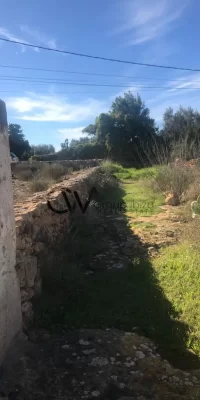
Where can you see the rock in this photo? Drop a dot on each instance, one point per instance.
(31, 270)
(65, 346)
(96, 393)
(21, 275)
(26, 294)
(99, 361)
(27, 311)
(27, 270)
(117, 266)
(140, 354)
(38, 286)
(83, 342)
(129, 364)
(89, 351)
(172, 200)
(170, 233)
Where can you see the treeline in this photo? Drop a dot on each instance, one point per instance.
(21, 147)
(127, 134)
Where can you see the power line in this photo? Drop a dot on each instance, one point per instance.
(47, 81)
(90, 73)
(98, 57)
(11, 77)
(96, 84)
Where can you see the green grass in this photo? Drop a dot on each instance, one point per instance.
(158, 299)
(138, 195)
(128, 173)
(133, 173)
(132, 299)
(143, 225)
(141, 199)
(178, 273)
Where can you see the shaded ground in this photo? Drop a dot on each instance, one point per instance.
(101, 280)
(89, 364)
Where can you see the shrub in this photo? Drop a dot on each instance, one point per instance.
(24, 175)
(54, 171)
(39, 185)
(111, 167)
(176, 179)
(193, 191)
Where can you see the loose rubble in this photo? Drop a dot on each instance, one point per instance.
(118, 365)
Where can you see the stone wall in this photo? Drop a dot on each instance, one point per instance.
(10, 308)
(38, 229)
(76, 165)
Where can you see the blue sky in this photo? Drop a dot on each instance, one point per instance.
(152, 31)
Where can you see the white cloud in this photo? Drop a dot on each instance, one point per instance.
(8, 35)
(39, 37)
(145, 20)
(72, 133)
(180, 93)
(187, 81)
(49, 108)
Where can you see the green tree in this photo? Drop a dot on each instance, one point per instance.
(41, 149)
(65, 144)
(126, 130)
(181, 129)
(18, 144)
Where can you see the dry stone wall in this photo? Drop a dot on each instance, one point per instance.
(10, 309)
(38, 229)
(76, 165)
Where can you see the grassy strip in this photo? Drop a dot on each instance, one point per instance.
(178, 273)
(159, 300)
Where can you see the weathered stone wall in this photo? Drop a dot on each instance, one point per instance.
(76, 165)
(38, 230)
(10, 308)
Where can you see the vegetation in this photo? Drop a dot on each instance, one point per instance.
(176, 180)
(41, 149)
(126, 134)
(177, 271)
(18, 144)
(42, 178)
(157, 298)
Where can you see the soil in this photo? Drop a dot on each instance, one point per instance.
(104, 364)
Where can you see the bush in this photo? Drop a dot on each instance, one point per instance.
(24, 175)
(54, 171)
(193, 191)
(39, 185)
(176, 179)
(111, 167)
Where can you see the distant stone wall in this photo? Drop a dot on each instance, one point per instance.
(76, 165)
(10, 308)
(38, 230)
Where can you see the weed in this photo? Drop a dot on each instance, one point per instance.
(24, 175)
(143, 225)
(52, 171)
(176, 180)
(39, 185)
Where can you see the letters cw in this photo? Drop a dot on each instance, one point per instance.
(71, 207)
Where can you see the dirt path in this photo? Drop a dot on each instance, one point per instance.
(158, 230)
(101, 332)
(93, 364)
